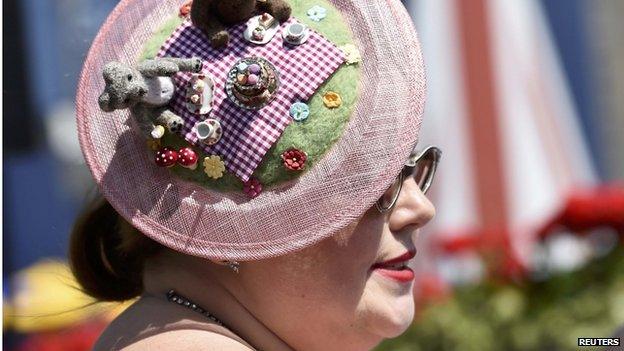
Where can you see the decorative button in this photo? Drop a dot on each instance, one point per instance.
(332, 99)
(317, 13)
(214, 167)
(300, 111)
(352, 54)
(252, 187)
(294, 159)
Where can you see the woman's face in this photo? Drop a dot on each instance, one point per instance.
(335, 295)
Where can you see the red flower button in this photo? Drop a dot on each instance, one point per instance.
(252, 187)
(294, 159)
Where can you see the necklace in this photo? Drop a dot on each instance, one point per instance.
(172, 296)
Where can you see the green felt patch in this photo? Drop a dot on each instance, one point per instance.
(315, 135)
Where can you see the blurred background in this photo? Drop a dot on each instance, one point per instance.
(526, 99)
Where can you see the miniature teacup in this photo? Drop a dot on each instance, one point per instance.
(295, 31)
(204, 131)
(209, 131)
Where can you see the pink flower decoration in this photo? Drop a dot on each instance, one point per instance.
(252, 187)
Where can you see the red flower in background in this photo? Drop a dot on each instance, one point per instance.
(493, 245)
(431, 288)
(81, 337)
(589, 209)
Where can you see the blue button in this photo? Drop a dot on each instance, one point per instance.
(299, 111)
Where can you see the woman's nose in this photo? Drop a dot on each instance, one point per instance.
(412, 207)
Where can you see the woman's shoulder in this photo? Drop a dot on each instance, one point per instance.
(184, 339)
(152, 324)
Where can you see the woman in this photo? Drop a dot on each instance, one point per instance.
(317, 262)
(348, 292)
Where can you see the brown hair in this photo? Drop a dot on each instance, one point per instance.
(107, 254)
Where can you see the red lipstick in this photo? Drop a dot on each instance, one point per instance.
(396, 268)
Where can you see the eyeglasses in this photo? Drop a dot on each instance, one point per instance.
(422, 166)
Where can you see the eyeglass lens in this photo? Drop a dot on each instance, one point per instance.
(423, 173)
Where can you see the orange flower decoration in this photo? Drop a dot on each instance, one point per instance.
(332, 99)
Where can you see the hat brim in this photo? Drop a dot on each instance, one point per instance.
(337, 191)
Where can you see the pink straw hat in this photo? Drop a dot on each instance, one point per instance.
(350, 173)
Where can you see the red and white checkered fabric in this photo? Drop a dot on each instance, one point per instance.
(247, 134)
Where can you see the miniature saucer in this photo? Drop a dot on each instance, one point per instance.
(201, 89)
(254, 23)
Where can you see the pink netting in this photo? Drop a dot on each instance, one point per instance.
(337, 191)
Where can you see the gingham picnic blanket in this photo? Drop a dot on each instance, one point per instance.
(247, 134)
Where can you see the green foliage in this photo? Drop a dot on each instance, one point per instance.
(153, 45)
(315, 135)
(541, 315)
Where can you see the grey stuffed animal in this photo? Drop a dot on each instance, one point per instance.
(146, 91)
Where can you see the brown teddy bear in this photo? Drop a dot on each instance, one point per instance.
(213, 16)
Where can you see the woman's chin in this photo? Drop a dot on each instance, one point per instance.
(397, 321)
(389, 315)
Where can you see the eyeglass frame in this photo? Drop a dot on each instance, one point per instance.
(409, 168)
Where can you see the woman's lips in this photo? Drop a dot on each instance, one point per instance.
(396, 268)
(404, 275)
(404, 257)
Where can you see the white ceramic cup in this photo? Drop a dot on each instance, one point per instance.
(295, 31)
(204, 130)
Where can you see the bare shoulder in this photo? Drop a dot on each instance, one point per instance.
(182, 340)
(150, 324)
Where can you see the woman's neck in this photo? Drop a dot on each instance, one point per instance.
(212, 287)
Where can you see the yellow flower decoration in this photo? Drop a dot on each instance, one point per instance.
(214, 167)
(332, 99)
(352, 54)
